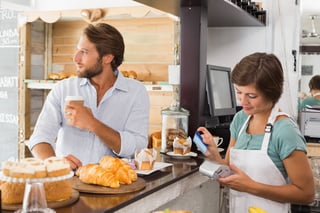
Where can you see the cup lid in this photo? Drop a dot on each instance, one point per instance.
(74, 98)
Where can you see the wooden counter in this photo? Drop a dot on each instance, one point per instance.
(161, 187)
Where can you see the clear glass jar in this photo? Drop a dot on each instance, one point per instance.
(174, 124)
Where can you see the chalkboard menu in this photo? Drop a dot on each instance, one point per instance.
(9, 54)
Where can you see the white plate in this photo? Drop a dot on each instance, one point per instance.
(157, 166)
(190, 154)
(221, 149)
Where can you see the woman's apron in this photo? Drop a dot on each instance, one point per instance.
(258, 166)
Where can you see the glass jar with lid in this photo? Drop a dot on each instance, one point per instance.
(174, 124)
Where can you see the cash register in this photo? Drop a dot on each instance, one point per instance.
(309, 121)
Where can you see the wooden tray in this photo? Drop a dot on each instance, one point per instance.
(54, 204)
(95, 189)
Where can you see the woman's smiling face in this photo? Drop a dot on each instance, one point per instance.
(251, 100)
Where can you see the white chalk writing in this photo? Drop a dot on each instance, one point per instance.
(7, 14)
(9, 82)
(8, 41)
(8, 118)
(3, 95)
(9, 33)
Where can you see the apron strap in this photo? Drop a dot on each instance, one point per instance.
(244, 125)
(268, 129)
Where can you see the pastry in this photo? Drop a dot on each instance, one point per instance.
(182, 146)
(58, 190)
(12, 193)
(110, 172)
(63, 75)
(124, 73)
(145, 158)
(22, 171)
(57, 166)
(37, 165)
(110, 163)
(57, 76)
(132, 74)
(171, 134)
(36, 168)
(96, 174)
(123, 171)
(54, 76)
(6, 166)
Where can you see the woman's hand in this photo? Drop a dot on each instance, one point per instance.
(239, 180)
(212, 151)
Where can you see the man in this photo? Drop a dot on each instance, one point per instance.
(314, 99)
(114, 118)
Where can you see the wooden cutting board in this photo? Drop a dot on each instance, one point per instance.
(53, 204)
(95, 189)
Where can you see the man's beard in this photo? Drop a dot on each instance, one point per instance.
(93, 71)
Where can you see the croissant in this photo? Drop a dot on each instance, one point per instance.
(132, 174)
(123, 176)
(109, 162)
(122, 169)
(95, 174)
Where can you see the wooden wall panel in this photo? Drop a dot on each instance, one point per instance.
(149, 45)
(159, 100)
(149, 50)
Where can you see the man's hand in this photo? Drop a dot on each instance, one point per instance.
(74, 162)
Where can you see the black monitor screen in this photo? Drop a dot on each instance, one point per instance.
(220, 91)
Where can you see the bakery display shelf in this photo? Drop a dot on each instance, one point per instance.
(48, 84)
(3, 177)
(40, 84)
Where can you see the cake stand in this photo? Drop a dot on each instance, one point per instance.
(34, 199)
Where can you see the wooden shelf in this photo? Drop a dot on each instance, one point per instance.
(48, 84)
(40, 84)
(221, 13)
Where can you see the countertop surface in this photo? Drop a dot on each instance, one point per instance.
(96, 203)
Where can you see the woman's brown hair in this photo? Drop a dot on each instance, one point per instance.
(262, 70)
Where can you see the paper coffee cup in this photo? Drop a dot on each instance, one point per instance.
(79, 99)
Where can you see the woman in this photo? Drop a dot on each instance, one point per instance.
(266, 151)
(314, 100)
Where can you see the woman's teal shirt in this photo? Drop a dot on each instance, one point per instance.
(285, 138)
(311, 101)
